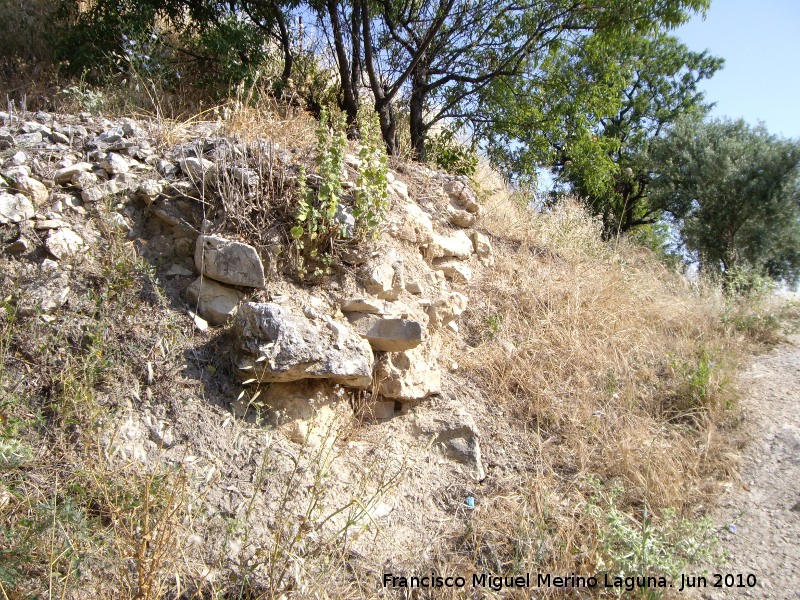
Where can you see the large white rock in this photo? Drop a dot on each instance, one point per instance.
(453, 269)
(215, 302)
(114, 164)
(446, 309)
(483, 247)
(63, 243)
(198, 169)
(46, 294)
(99, 192)
(33, 189)
(410, 223)
(384, 276)
(460, 218)
(83, 180)
(149, 190)
(457, 245)
(15, 208)
(462, 195)
(388, 335)
(274, 345)
(227, 261)
(64, 176)
(409, 375)
(307, 412)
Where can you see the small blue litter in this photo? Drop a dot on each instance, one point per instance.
(732, 528)
(470, 502)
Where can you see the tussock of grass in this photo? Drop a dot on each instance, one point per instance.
(609, 368)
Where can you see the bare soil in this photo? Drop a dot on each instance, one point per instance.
(760, 515)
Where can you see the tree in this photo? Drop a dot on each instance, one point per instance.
(739, 189)
(440, 56)
(598, 107)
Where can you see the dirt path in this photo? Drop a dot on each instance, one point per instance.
(764, 510)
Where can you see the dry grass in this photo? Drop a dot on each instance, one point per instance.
(605, 366)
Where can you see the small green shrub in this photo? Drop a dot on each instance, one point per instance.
(756, 324)
(84, 97)
(495, 325)
(651, 545)
(321, 221)
(371, 192)
(446, 151)
(316, 225)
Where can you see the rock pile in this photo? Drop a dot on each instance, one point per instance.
(384, 331)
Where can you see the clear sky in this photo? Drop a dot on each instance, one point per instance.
(760, 42)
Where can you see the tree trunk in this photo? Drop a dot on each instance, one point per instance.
(286, 43)
(388, 122)
(349, 100)
(419, 129)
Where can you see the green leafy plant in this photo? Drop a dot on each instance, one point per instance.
(495, 324)
(650, 545)
(316, 226)
(446, 151)
(321, 216)
(371, 192)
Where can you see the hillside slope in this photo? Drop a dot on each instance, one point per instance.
(186, 411)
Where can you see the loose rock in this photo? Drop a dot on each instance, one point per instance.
(15, 208)
(274, 345)
(33, 189)
(228, 261)
(409, 375)
(63, 243)
(388, 335)
(457, 245)
(446, 309)
(213, 301)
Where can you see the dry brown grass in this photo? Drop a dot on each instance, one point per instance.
(606, 366)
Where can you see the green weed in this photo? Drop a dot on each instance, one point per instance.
(652, 545)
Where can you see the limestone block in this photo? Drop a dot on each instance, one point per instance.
(388, 335)
(227, 261)
(457, 245)
(409, 375)
(215, 302)
(446, 309)
(15, 208)
(63, 243)
(453, 269)
(273, 345)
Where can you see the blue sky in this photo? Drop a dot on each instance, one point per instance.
(760, 42)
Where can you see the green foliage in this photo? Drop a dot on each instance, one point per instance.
(495, 325)
(369, 208)
(321, 213)
(312, 82)
(233, 53)
(598, 116)
(659, 238)
(738, 189)
(104, 35)
(86, 97)
(652, 545)
(317, 227)
(758, 325)
(446, 151)
(699, 377)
